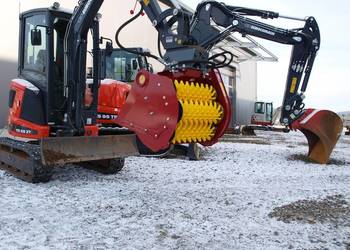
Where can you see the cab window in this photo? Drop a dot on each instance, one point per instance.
(35, 57)
(259, 108)
(123, 66)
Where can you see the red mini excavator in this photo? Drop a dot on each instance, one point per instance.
(53, 118)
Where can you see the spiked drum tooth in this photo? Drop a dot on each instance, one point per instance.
(200, 112)
(194, 91)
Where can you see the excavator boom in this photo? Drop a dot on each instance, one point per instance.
(191, 72)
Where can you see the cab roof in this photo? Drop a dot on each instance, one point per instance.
(51, 9)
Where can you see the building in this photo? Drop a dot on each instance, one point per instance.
(240, 77)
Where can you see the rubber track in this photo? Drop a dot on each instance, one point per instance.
(29, 154)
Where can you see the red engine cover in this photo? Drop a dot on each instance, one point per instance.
(17, 125)
(111, 98)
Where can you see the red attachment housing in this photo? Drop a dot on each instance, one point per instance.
(214, 79)
(151, 110)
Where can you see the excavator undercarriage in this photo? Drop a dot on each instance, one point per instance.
(33, 161)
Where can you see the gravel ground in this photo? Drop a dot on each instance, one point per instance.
(240, 196)
(333, 209)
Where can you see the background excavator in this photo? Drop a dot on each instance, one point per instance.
(119, 71)
(185, 103)
(264, 118)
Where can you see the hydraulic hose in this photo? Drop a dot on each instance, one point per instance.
(147, 54)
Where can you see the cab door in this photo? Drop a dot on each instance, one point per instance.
(33, 59)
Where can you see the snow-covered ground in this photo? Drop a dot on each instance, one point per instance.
(221, 202)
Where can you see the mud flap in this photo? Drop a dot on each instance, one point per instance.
(322, 129)
(63, 150)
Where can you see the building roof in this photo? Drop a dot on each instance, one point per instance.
(245, 48)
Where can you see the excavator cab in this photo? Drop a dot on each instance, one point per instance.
(123, 66)
(40, 87)
(263, 112)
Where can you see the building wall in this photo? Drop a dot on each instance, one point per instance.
(241, 85)
(246, 91)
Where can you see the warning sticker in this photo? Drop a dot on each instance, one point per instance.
(293, 85)
(146, 2)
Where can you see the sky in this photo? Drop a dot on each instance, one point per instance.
(329, 85)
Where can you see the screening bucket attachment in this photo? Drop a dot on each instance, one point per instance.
(322, 129)
(176, 107)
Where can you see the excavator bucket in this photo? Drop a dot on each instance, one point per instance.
(176, 107)
(322, 129)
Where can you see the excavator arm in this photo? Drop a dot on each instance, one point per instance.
(191, 78)
(75, 46)
(211, 14)
(305, 42)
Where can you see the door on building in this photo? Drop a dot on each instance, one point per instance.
(229, 79)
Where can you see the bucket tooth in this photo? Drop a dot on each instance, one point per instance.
(322, 129)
